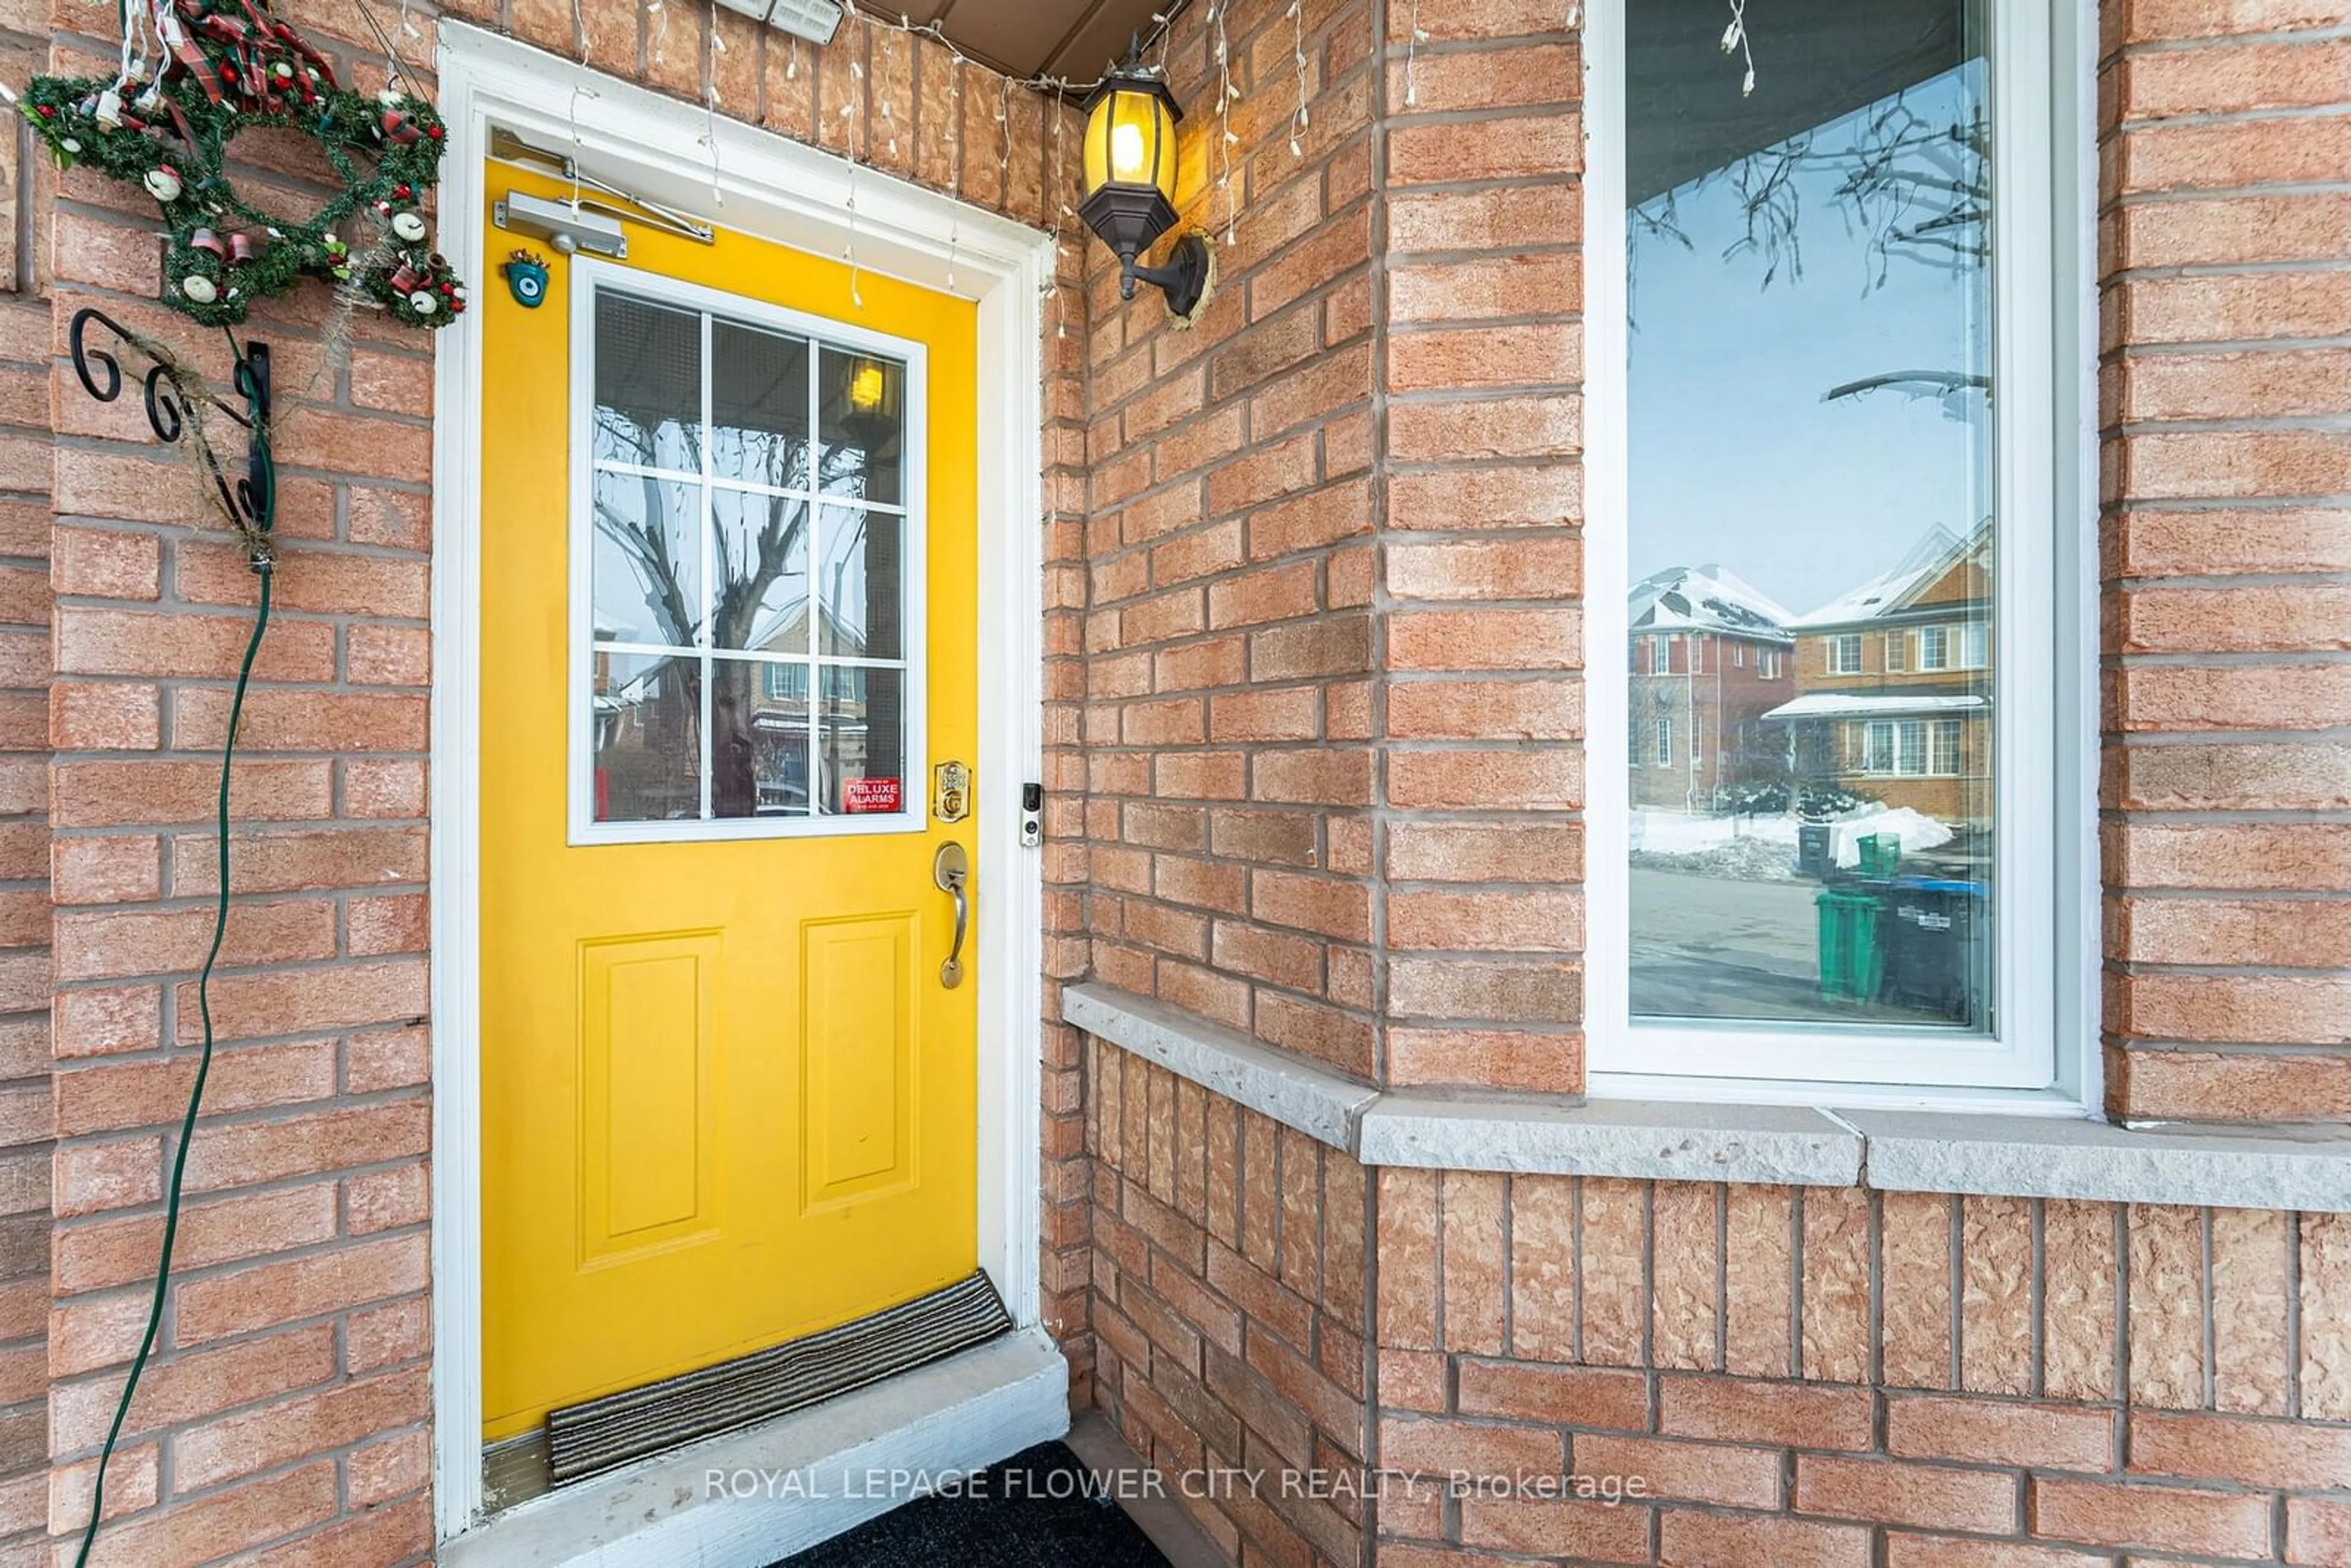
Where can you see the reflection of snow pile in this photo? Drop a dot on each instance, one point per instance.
(1732, 860)
(1764, 848)
(1740, 849)
(1915, 828)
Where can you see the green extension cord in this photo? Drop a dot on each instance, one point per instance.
(196, 1095)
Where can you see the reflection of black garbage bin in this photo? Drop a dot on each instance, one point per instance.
(1812, 851)
(1930, 944)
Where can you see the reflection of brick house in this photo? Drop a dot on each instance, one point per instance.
(1709, 658)
(1894, 684)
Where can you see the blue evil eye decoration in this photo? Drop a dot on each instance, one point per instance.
(527, 279)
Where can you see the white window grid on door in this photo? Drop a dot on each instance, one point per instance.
(592, 279)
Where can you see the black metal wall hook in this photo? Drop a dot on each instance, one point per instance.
(247, 498)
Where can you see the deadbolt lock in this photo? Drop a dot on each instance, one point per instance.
(951, 792)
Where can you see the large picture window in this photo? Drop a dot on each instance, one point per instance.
(1836, 438)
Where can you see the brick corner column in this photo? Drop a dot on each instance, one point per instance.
(1480, 601)
(2226, 548)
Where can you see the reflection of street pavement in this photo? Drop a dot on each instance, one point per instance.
(1706, 946)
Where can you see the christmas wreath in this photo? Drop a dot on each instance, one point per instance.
(225, 67)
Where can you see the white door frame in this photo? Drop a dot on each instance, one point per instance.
(776, 189)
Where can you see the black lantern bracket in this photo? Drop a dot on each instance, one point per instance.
(1185, 278)
(178, 411)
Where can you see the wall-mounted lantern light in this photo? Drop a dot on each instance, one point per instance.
(1130, 190)
(870, 393)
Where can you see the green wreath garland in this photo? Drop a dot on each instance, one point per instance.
(229, 67)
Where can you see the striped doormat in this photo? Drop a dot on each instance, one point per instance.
(583, 1440)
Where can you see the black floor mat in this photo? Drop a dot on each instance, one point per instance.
(1039, 1508)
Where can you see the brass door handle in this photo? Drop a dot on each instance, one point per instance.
(951, 869)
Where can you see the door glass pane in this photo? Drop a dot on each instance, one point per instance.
(648, 384)
(759, 406)
(759, 561)
(647, 567)
(859, 579)
(645, 711)
(758, 739)
(861, 401)
(768, 680)
(860, 742)
(1811, 451)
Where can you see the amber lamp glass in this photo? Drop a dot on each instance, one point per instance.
(1131, 141)
(1130, 182)
(867, 384)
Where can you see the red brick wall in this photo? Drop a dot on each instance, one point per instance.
(1229, 677)
(287, 1414)
(1338, 807)
(1772, 1376)
(2224, 544)
(1840, 1379)
(1481, 551)
(1830, 1376)
(1230, 1309)
(289, 1398)
(24, 670)
(1718, 710)
(1296, 760)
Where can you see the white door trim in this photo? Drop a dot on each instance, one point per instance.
(657, 147)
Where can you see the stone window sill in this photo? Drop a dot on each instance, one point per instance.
(2289, 1167)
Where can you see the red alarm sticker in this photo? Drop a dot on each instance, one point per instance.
(859, 795)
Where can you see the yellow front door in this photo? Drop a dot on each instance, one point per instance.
(728, 568)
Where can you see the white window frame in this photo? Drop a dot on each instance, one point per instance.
(1875, 733)
(2040, 1053)
(1838, 646)
(1899, 733)
(1975, 645)
(1664, 743)
(1948, 737)
(1898, 653)
(592, 276)
(1937, 637)
(1737, 654)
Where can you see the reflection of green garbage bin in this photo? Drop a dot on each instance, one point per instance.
(1881, 856)
(1852, 961)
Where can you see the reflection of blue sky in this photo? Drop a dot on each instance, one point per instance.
(1735, 458)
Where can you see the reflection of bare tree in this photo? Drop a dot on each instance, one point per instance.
(745, 564)
(1754, 767)
(1918, 187)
